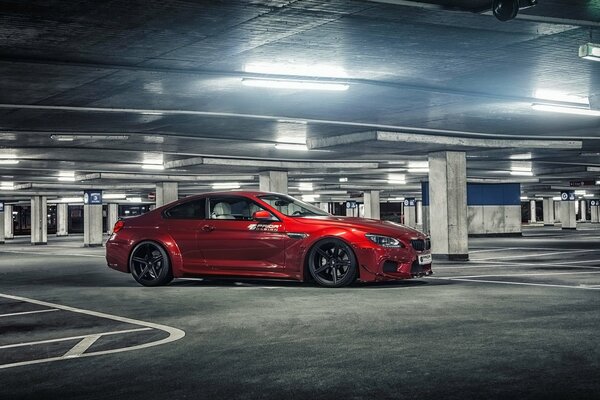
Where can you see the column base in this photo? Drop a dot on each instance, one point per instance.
(39, 243)
(450, 257)
(93, 245)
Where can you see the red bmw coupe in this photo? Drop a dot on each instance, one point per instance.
(263, 235)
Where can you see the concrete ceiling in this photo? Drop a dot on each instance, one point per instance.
(98, 87)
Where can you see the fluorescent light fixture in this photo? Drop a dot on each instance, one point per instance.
(70, 200)
(588, 195)
(294, 84)
(556, 198)
(71, 138)
(523, 197)
(7, 156)
(66, 176)
(310, 197)
(305, 186)
(134, 199)
(597, 182)
(590, 51)
(226, 185)
(566, 110)
(418, 170)
(399, 179)
(153, 166)
(113, 196)
(418, 164)
(8, 162)
(343, 179)
(291, 146)
(7, 186)
(521, 173)
(396, 198)
(522, 156)
(312, 70)
(580, 192)
(556, 95)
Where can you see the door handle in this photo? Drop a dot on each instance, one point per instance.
(208, 228)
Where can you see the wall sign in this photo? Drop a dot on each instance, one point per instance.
(567, 195)
(92, 197)
(351, 204)
(410, 202)
(595, 203)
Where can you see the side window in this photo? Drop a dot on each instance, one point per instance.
(195, 209)
(238, 208)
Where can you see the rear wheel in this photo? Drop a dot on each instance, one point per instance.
(149, 264)
(332, 263)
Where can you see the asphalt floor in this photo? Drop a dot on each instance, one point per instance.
(520, 320)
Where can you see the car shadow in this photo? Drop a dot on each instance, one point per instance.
(240, 283)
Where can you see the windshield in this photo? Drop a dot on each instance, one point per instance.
(291, 207)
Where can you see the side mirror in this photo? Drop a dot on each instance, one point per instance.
(263, 216)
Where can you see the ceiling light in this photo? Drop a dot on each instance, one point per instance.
(70, 200)
(398, 179)
(396, 199)
(556, 95)
(343, 179)
(294, 84)
(7, 186)
(70, 138)
(588, 195)
(418, 164)
(521, 173)
(305, 186)
(113, 196)
(226, 185)
(8, 162)
(153, 166)
(316, 70)
(310, 197)
(580, 192)
(66, 176)
(522, 156)
(556, 198)
(590, 51)
(290, 146)
(523, 197)
(134, 199)
(566, 110)
(418, 170)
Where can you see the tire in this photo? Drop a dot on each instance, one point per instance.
(332, 263)
(149, 264)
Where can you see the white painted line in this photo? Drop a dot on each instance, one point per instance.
(28, 312)
(507, 264)
(82, 346)
(517, 283)
(174, 333)
(537, 254)
(65, 339)
(41, 253)
(533, 274)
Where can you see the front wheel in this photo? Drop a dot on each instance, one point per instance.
(149, 265)
(332, 263)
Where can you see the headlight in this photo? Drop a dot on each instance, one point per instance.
(384, 241)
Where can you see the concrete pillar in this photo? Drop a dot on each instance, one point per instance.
(410, 216)
(92, 225)
(113, 216)
(62, 219)
(352, 212)
(2, 227)
(548, 210)
(557, 208)
(273, 181)
(532, 213)
(595, 215)
(568, 215)
(448, 204)
(419, 213)
(372, 206)
(39, 220)
(166, 192)
(583, 210)
(9, 231)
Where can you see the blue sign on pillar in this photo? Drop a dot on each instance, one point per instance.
(92, 197)
(410, 202)
(595, 203)
(351, 204)
(567, 195)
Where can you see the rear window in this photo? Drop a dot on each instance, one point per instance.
(195, 209)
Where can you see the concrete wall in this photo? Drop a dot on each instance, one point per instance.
(490, 220)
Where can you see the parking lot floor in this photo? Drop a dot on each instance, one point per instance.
(519, 320)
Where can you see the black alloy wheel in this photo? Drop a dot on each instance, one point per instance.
(332, 263)
(149, 264)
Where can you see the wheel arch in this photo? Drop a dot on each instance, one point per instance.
(170, 248)
(306, 277)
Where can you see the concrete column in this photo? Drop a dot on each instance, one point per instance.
(2, 227)
(273, 181)
(39, 220)
(532, 213)
(352, 212)
(568, 215)
(594, 214)
(448, 204)
(372, 206)
(410, 216)
(583, 210)
(9, 231)
(419, 212)
(92, 225)
(113, 216)
(548, 209)
(62, 219)
(166, 192)
(557, 208)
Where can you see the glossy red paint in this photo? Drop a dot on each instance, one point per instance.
(264, 249)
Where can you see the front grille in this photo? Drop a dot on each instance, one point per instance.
(420, 244)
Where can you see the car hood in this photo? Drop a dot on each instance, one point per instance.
(368, 225)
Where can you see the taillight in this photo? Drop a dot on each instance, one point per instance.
(118, 226)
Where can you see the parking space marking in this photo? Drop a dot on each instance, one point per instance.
(42, 253)
(29, 312)
(496, 264)
(533, 274)
(82, 346)
(517, 283)
(173, 333)
(537, 254)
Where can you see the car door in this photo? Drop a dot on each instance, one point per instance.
(184, 223)
(233, 241)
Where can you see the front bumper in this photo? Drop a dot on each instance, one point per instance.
(378, 264)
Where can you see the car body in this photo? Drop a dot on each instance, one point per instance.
(265, 235)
